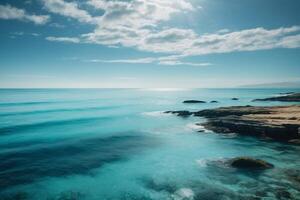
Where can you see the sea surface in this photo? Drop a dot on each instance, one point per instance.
(110, 144)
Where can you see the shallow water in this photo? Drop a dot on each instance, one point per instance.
(109, 144)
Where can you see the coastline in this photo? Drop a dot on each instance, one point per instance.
(279, 123)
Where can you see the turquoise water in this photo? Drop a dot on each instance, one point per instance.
(95, 144)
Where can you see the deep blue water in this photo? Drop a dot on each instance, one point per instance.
(94, 144)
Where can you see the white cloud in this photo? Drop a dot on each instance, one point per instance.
(57, 25)
(35, 34)
(138, 13)
(12, 13)
(127, 23)
(161, 61)
(177, 62)
(129, 27)
(63, 39)
(186, 42)
(290, 41)
(139, 24)
(23, 33)
(244, 40)
(132, 61)
(18, 33)
(68, 9)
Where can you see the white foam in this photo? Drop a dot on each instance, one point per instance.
(220, 162)
(156, 114)
(184, 194)
(195, 127)
(202, 162)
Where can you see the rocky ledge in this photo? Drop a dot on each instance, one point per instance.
(288, 97)
(280, 123)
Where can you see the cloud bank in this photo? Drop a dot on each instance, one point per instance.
(141, 24)
(8, 12)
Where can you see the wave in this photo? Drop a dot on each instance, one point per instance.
(26, 103)
(58, 110)
(220, 162)
(24, 127)
(156, 114)
(195, 127)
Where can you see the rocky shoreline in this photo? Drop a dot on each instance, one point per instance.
(279, 123)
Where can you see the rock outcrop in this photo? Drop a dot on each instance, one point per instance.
(280, 123)
(181, 113)
(193, 101)
(249, 163)
(291, 97)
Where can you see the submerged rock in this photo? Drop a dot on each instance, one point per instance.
(235, 99)
(293, 175)
(283, 194)
(70, 195)
(249, 163)
(16, 196)
(181, 113)
(193, 101)
(214, 102)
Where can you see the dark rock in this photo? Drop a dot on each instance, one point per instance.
(214, 102)
(16, 196)
(283, 194)
(234, 110)
(235, 99)
(181, 113)
(294, 97)
(249, 163)
(261, 193)
(215, 127)
(70, 195)
(235, 124)
(193, 101)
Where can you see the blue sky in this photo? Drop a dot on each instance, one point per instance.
(148, 43)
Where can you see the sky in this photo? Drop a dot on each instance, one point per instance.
(148, 43)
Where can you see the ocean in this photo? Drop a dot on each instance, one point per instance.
(109, 144)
